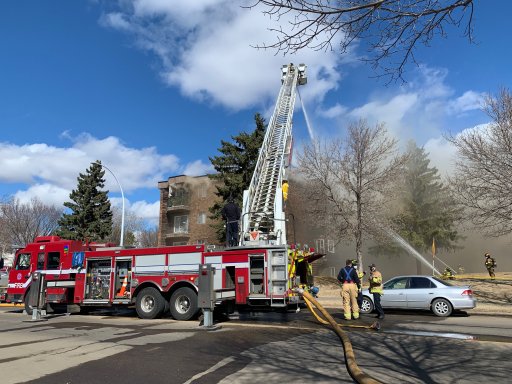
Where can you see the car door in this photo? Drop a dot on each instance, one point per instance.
(395, 293)
(420, 292)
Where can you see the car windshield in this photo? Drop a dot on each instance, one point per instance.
(443, 282)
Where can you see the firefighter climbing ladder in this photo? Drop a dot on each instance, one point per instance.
(263, 218)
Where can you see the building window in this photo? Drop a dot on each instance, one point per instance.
(178, 196)
(201, 242)
(320, 245)
(201, 218)
(201, 191)
(181, 224)
(330, 246)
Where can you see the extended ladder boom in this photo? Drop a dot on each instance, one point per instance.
(263, 220)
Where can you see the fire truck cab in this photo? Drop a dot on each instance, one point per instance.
(51, 256)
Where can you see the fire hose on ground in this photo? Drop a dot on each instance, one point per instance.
(353, 369)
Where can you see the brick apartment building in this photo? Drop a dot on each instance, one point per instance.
(184, 210)
(184, 218)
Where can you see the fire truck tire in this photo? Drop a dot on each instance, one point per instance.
(150, 303)
(28, 308)
(183, 304)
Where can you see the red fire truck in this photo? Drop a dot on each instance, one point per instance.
(158, 279)
(261, 272)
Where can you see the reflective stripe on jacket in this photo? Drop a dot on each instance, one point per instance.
(376, 282)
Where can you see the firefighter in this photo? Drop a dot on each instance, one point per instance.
(376, 289)
(490, 264)
(448, 274)
(231, 214)
(349, 281)
(360, 274)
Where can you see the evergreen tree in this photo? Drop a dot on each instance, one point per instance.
(235, 167)
(91, 216)
(428, 210)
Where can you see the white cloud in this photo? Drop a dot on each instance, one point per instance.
(421, 109)
(469, 101)
(50, 173)
(442, 155)
(59, 166)
(147, 211)
(48, 193)
(206, 51)
(391, 111)
(198, 168)
(333, 112)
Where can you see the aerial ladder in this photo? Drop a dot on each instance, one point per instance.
(263, 218)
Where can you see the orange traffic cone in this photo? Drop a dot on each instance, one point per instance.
(123, 287)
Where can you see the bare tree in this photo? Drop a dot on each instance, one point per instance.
(132, 225)
(389, 28)
(350, 180)
(22, 222)
(148, 237)
(483, 175)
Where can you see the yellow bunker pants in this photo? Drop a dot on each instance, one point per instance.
(349, 295)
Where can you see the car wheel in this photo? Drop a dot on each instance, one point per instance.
(150, 303)
(366, 305)
(442, 307)
(183, 304)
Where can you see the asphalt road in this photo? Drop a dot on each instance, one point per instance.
(260, 348)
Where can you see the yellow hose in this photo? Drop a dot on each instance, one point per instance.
(353, 369)
(375, 325)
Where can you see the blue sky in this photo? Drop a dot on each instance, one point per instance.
(151, 87)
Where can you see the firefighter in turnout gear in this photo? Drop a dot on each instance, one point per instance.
(350, 282)
(376, 289)
(490, 264)
(448, 274)
(360, 274)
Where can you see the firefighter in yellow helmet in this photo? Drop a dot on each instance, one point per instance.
(350, 282)
(376, 289)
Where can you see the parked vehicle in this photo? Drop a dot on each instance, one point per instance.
(422, 292)
(4, 278)
(157, 279)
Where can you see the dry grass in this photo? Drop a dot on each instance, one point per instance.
(493, 296)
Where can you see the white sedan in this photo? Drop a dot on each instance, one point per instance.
(421, 292)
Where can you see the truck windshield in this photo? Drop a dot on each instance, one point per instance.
(23, 261)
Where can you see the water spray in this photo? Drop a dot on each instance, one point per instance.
(310, 129)
(410, 249)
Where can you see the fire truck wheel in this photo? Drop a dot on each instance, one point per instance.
(183, 304)
(28, 308)
(150, 303)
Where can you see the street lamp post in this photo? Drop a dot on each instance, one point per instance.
(121, 241)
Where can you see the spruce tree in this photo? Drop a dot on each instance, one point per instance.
(427, 209)
(235, 167)
(91, 217)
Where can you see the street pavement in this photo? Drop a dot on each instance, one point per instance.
(117, 347)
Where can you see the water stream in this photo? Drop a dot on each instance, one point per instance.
(404, 244)
(310, 129)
